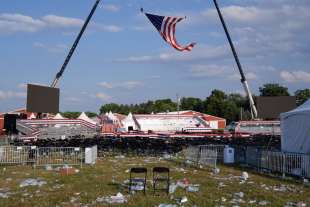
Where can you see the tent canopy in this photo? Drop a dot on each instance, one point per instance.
(84, 117)
(295, 127)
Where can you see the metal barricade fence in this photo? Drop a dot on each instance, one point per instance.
(59, 156)
(16, 154)
(207, 157)
(219, 149)
(201, 155)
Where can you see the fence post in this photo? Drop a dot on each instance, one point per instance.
(283, 164)
(198, 156)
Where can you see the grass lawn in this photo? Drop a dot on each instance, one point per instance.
(107, 176)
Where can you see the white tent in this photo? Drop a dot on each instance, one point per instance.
(129, 122)
(84, 117)
(32, 116)
(58, 116)
(295, 127)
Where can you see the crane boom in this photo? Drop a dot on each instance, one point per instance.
(76, 42)
(243, 79)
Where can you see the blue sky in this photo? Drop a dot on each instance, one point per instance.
(121, 58)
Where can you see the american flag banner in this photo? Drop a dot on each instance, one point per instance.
(166, 26)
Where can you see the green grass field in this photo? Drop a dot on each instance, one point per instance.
(107, 176)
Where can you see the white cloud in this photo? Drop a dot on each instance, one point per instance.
(106, 85)
(109, 28)
(4, 95)
(59, 21)
(126, 85)
(295, 76)
(58, 48)
(12, 23)
(200, 71)
(248, 76)
(103, 96)
(111, 7)
(131, 84)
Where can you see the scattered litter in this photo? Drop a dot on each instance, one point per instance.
(167, 205)
(127, 171)
(244, 176)
(252, 201)
(32, 182)
(282, 188)
(182, 200)
(263, 203)
(301, 204)
(120, 157)
(5, 195)
(294, 204)
(221, 184)
(172, 188)
(193, 188)
(216, 170)
(223, 199)
(66, 170)
(48, 167)
(118, 199)
(183, 183)
(240, 194)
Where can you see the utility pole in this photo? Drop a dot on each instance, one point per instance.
(76, 42)
(243, 79)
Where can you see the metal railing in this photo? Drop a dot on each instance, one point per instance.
(17, 154)
(59, 156)
(201, 155)
(286, 163)
(41, 156)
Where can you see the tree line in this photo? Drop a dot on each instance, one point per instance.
(218, 103)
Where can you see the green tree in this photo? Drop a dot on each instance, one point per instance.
(71, 114)
(302, 96)
(190, 103)
(109, 107)
(164, 105)
(214, 103)
(91, 114)
(273, 89)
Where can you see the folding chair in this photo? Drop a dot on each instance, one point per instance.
(133, 181)
(161, 175)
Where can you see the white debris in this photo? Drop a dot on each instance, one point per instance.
(263, 203)
(240, 194)
(244, 176)
(4, 195)
(167, 205)
(301, 204)
(32, 182)
(118, 199)
(252, 201)
(216, 170)
(193, 188)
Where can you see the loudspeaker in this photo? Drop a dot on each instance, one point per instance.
(10, 123)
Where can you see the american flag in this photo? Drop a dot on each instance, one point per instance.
(166, 28)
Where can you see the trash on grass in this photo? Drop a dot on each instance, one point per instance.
(118, 199)
(167, 205)
(193, 188)
(216, 170)
(32, 182)
(244, 176)
(183, 183)
(172, 188)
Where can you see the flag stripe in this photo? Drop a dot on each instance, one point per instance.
(166, 26)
